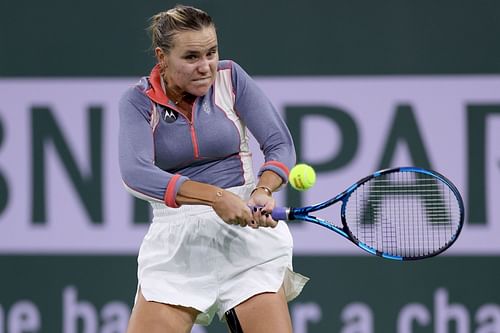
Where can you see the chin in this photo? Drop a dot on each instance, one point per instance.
(201, 88)
(200, 91)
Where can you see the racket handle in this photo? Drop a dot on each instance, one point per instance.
(280, 213)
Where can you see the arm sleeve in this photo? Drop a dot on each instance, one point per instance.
(140, 175)
(265, 123)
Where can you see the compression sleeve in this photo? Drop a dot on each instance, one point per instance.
(140, 175)
(265, 123)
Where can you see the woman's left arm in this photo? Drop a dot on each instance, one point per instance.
(266, 124)
(269, 129)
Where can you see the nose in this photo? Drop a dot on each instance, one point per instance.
(204, 65)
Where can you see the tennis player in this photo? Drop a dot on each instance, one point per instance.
(184, 148)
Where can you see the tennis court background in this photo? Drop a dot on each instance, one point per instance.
(425, 76)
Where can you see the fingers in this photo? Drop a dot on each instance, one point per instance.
(262, 218)
(259, 217)
(253, 224)
(262, 207)
(243, 219)
(234, 211)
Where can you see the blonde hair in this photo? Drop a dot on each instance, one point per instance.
(165, 25)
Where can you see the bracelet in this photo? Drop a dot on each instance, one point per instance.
(265, 188)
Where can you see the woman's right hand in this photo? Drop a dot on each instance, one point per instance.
(232, 209)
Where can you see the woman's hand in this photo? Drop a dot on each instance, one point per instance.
(262, 204)
(232, 210)
(230, 207)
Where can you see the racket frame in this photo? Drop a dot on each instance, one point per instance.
(302, 213)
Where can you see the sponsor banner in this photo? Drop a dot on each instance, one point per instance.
(94, 294)
(61, 192)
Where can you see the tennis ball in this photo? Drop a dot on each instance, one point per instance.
(302, 177)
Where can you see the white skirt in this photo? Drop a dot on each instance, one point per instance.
(190, 257)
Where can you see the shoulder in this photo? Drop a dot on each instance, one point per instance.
(137, 91)
(231, 65)
(136, 95)
(230, 69)
(224, 65)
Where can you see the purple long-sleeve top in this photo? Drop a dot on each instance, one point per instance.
(159, 148)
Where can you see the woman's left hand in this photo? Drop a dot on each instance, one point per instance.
(262, 204)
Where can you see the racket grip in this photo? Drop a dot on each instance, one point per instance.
(280, 213)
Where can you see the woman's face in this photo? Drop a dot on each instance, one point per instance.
(191, 65)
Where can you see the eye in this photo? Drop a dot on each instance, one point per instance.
(212, 53)
(191, 57)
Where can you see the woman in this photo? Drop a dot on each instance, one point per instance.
(184, 148)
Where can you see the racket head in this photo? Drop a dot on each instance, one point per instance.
(404, 213)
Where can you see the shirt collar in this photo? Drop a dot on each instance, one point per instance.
(156, 91)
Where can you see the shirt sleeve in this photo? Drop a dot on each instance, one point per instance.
(140, 176)
(265, 123)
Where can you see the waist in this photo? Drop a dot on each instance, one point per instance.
(227, 172)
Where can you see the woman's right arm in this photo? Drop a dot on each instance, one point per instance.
(230, 208)
(140, 175)
(145, 180)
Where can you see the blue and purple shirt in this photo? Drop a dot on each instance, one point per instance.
(160, 148)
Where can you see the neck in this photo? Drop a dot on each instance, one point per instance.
(177, 97)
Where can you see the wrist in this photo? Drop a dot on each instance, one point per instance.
(264, 189)
(217, 195)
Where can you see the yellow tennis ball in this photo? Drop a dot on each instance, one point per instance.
(302, 177)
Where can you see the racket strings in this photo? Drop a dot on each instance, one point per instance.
(404, 214)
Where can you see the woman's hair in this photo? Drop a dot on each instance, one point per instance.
(165, 25)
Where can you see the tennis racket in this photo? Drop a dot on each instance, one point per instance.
(404, 213)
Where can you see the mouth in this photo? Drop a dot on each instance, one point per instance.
(203, 79)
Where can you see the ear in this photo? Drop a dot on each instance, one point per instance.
(160, 56)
